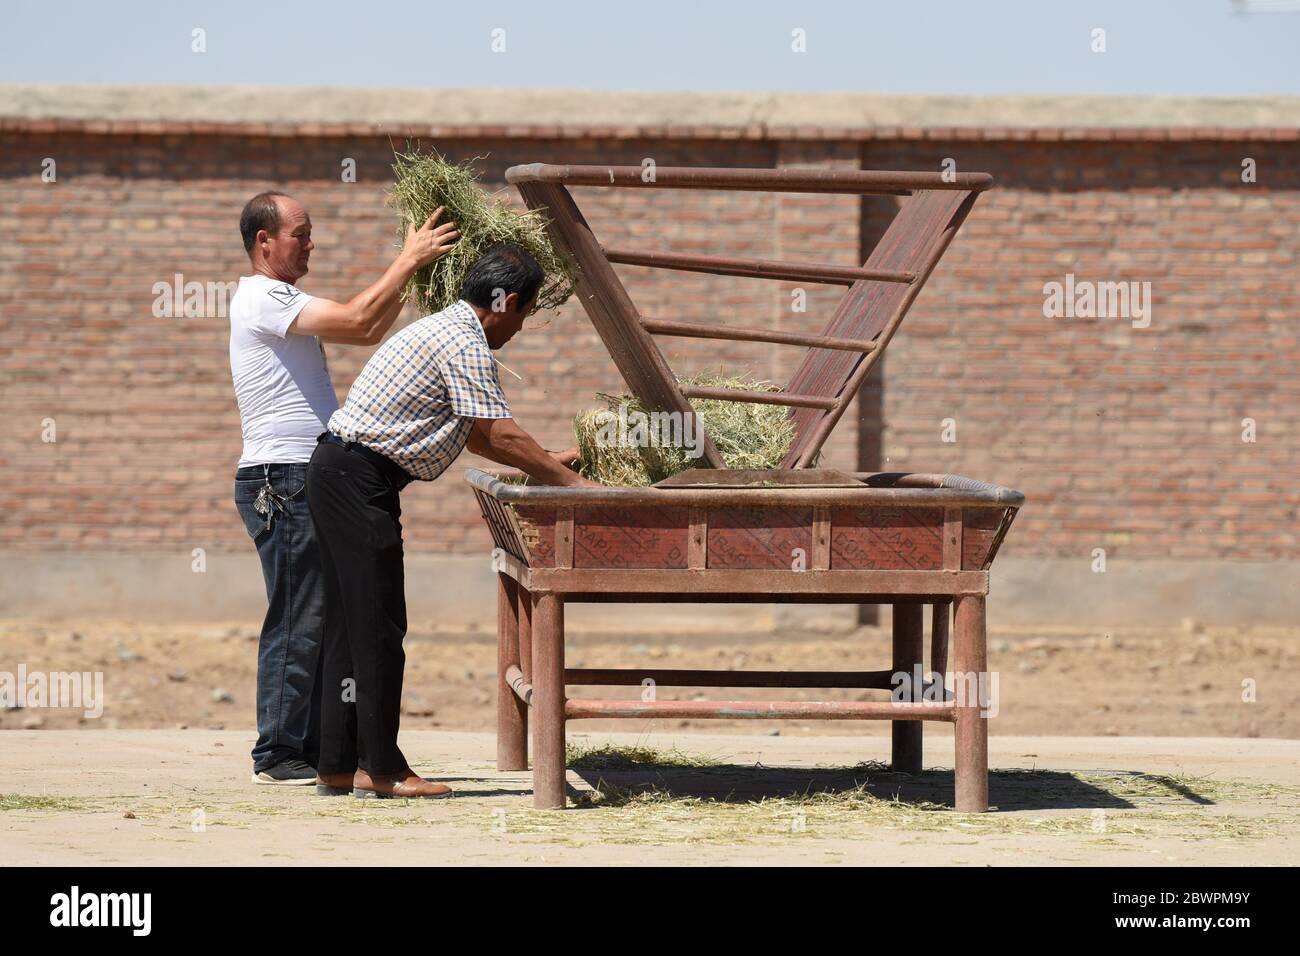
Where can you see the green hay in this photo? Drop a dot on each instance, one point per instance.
(749, 435)
(425, 181)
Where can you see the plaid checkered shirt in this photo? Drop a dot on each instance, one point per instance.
(414, 399)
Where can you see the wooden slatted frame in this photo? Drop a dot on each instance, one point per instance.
(931, 211)
(610, 308)
(915, 241)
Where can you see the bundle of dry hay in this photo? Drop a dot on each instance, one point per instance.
(425, 181)
(617, 450)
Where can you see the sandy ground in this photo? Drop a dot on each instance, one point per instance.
(1186, 681)
(1168, 762)
(183, 797)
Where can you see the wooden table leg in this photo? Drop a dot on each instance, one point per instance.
(512, 713)
(971, 731)
(909, 654)
(526, 633)
(939, 621)
(548, 701)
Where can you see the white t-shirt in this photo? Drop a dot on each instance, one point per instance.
(282, 383)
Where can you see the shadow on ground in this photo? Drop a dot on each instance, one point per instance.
(1008, 789)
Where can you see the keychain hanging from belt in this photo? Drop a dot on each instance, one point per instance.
(267, 500)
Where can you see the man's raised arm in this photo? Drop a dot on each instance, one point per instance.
(365, 318)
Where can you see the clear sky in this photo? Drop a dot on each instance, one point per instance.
(1201, 47)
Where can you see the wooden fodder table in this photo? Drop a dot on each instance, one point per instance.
(792, 534)
(906, 540)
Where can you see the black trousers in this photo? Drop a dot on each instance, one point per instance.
(354, 506)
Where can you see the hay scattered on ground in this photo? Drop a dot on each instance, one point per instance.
(611, 757)
(425, 181)
(33, 801)
(668, 808)
(671, 797)
(749, 435)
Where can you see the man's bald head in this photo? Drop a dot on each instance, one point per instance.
(277, 235)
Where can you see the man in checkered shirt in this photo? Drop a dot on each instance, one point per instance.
(428, 393)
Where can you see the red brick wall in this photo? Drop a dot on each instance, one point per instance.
(1126, 439)
(1122, 438)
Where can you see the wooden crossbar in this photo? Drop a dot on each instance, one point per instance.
(694, 330)
(756, 268)
(791, 179)
(578, 708)
(791, 399)
(633, 676)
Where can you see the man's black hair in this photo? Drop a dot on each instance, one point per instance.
(260, 212)
(504, 268)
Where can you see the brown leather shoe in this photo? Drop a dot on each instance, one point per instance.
(406, 785)
(333, 784)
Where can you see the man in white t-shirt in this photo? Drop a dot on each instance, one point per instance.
(285, 397)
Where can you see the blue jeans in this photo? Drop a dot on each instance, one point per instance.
(289, 654)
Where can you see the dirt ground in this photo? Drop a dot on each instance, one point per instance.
(1185, 682)
(183, 798)
(1157, 767)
